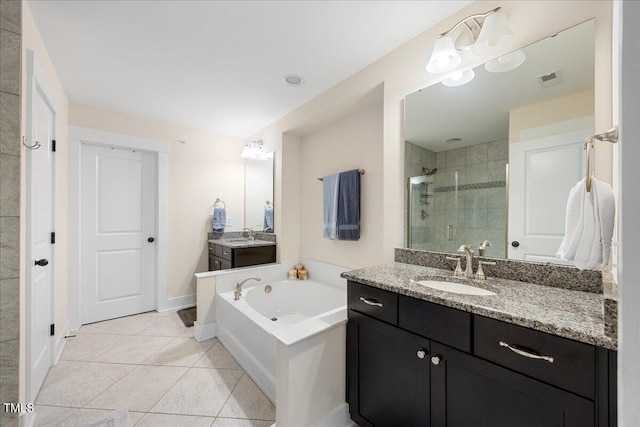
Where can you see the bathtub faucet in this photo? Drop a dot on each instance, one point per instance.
(238, 291)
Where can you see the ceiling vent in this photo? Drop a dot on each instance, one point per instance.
(551, 79)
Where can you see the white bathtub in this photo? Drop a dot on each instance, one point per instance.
(254, 327)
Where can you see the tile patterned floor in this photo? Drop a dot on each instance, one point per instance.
(151, 365)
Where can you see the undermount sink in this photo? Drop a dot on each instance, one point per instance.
(456, 288)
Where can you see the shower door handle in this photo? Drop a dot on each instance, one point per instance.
(449, 232)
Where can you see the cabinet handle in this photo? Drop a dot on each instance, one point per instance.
(421, 354)
(525, 353)
(225, 253)
(435, 360)
(371, 302)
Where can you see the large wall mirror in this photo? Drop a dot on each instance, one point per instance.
(258, 193)
(494, 159)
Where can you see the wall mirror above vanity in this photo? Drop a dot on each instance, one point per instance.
(258, 194)
(494, 159)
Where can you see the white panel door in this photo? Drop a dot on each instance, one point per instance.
(542, 171)
(118, 226)
(40, 227)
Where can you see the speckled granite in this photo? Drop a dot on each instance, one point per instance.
(558, 276)
(230, 243)
(267, 237)
(567, 313)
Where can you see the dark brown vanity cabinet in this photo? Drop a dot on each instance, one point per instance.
(222, 257)
(399, 374)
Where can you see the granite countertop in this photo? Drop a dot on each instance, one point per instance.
(567, 313)
(241, 243)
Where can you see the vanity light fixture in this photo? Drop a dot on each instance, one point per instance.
(252, 150)
(482, 38)
(459, 78)
(507, 62)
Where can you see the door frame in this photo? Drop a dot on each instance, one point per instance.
(79, 136)
(37, 81)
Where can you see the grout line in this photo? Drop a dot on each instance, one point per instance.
(231, 394)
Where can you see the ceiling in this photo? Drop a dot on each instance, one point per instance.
(478, 111)
(219, 65)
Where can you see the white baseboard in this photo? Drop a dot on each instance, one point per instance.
(27, 419)
(178, 303)
(60, 343)
(339, 417)
(204, 332)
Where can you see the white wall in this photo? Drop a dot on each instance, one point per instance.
(353, 142)
(31, 40)
(208, 166)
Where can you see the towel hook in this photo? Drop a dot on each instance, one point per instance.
(35, 146)
(610, 135)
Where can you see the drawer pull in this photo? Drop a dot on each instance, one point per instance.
(370, 302)
(226, 253)
(526, 353)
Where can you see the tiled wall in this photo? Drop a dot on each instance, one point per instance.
(481, 202)
(416, 158)
(10, 39)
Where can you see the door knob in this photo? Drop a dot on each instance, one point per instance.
(435, 360)
(42, 262)
(151, 240)
(515, 243)
(421, 354)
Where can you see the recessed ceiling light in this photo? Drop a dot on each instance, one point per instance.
(293, 80)
(452, 140)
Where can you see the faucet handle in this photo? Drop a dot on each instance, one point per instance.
(480, 273)
(458, 270)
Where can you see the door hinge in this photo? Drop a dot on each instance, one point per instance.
(53, 237)
(53, 145)
(52, 329)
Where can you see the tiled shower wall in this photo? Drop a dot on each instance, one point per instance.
(10, 39)
(416, 158)
(482, 197)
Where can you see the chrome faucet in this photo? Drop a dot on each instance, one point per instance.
(238, 292)
(251, 233)
(468, 272)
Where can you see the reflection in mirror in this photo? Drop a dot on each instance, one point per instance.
(258, 192)
(494, 159)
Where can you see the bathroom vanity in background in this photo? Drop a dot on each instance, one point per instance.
(233, 253)
(421, 357)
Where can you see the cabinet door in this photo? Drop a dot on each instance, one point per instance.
(388, 380)
(468, 391)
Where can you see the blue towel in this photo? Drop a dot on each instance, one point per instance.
(349, 205)
(330, 205)
(219, 220)
(268, 220)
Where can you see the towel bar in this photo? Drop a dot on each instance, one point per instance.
(360, 171)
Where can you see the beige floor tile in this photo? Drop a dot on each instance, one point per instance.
(97, 327)
(188, 333)
(201, 391)
(248, 401)
(61, 370)
(48, 416)
(140, 389)
(84, 417)
(168, 326)
(179, 352)
(217, 357)
(131, 325)
(82, 385)
(88, 347)
(236, 422)
(168, 420)
(134, 350)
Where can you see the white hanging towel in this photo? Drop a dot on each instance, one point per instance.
(330, 206)
(588, 225)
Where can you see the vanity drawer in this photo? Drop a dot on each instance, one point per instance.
(226, 253)
(217, 250)
(373, 302)
(439, 323)
(573, 367)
